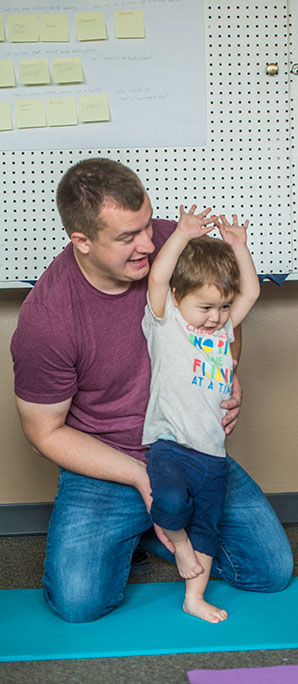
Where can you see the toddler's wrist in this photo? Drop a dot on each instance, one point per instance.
(238, 248)
(183, 235)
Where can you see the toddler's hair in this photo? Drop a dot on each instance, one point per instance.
(206, 261)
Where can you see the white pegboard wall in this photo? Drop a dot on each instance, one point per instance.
(244, 168)
(293, 75)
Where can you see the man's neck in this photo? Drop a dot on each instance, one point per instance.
(98, 280)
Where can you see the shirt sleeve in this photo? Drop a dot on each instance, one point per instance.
(150, 320)
(44, 356)
(229, 330)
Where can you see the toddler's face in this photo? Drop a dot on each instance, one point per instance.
(205, 308)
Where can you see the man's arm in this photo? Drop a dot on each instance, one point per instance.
(44, 426)
(233, 405)
(237, 344)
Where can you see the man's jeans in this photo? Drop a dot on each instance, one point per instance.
(96, 526)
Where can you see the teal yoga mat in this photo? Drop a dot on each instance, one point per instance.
(149, 621)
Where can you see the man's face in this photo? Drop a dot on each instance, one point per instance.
(119, 254)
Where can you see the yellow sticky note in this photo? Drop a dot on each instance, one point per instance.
(5, 118)
(7, 78)
(62, 111)
(94, 108)
(23, 28)
(129, 24)
(54, 28)
(67, 70)
(91, 26)
(34, 71)
(30, 113)
(2, 32)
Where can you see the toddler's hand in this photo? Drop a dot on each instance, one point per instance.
(231, 232)
(195, 225)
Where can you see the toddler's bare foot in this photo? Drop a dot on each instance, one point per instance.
(200, 608)
(187, 562)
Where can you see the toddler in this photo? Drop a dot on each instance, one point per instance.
(199, 289)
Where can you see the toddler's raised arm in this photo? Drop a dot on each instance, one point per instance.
(249, 290)
(190, 225)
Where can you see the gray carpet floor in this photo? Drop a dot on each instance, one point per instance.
(21, 566)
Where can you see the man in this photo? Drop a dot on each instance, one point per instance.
(82, 377)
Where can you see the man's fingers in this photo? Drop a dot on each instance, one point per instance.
(229, 428)
(233, 403)
(231, 416)
(233, 409)
(164, 539)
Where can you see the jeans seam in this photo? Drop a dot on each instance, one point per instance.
(134, 545)
(231, 562)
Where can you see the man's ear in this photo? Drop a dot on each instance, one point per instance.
(81, 242)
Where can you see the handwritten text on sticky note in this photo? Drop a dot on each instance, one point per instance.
(5, 117)
(129, 24)
(54, 28)
(23, 28)
(94, 108)
(7, 77)
(30, 113)
(34, 71)
(2, 32)
(91, 26)
(68, 70)
(62, 111)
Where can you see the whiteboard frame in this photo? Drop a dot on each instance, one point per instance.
(246, 166)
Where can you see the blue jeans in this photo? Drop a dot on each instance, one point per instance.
(96, 525)
(188, 490)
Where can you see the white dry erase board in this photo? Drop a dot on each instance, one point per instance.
(179, 90)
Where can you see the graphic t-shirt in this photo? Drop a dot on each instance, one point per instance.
(191, 375)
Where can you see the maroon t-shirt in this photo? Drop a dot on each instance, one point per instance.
(75, 341)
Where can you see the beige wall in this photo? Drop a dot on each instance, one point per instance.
(265, 440)
(24, 476)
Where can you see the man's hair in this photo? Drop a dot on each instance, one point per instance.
(85, 188)
(206, 261)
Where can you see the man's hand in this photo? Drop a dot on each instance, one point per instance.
(232, 405)
(143, 486)
(164, 539)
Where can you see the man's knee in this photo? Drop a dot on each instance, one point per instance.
(81, 597)
(280, 572)
(75, 608)
(266, 574)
